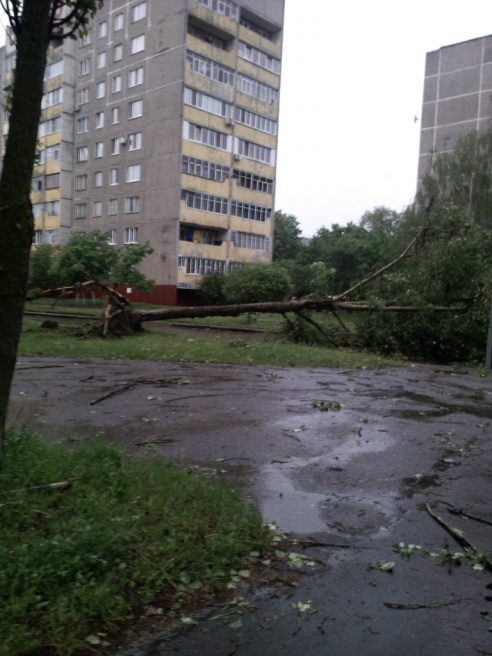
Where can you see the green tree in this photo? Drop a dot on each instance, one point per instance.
(287, 241)
(257, 283)
(41, 262)
(34, 23)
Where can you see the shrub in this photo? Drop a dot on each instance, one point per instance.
(257, 283)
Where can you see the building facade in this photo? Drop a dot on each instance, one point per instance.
(161, 125)
(457, 96)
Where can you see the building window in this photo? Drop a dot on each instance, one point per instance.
(99, 149)
(136, 77)
(254, 151)
(80, 210)
(37, 183)
(85, 66)
(200, 266)
(137, 44)
(53, 181)
(52, 208)
(115, 146)
(85, 40)
(139, 11)
(118, 22)
(131, 236)
(204, 169)
(52, 70)
(100, 89)
(112, 236)
(98, 179)
(97, 208)
(254, 27)
(53, 152)
(249, 211)
(115, 115)
(211, 69)
(116, 84)
(135, 141)
(258, 57)
(83, 96)
(206, 136)
(113, 207)
(37, 237)
(224, 7)
(207, 103)
(253, 181)
(135, 109)
(256, 89)
(82, 154)
(51, 236)
(133, 173)
(118, 53)
(82, 125)
(251, 241)
(256, 121)
(102, 30)
(204, 202)
(52, 98)
(99, 120)
(132, 204)
(113, 177)
(80, 182)
(101, 59)
(50, 126)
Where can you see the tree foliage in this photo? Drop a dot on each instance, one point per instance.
(257, 283)
(287, 242)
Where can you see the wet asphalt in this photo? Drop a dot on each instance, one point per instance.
(343, 461)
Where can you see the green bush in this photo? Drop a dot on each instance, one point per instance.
(212, 289)
(257, 283)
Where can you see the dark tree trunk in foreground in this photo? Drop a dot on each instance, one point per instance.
(16, 220)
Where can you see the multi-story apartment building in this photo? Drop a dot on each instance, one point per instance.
(160, 125)
(457, 96)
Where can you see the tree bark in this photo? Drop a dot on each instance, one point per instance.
(16, 218)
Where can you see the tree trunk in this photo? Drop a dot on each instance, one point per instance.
(16, 218)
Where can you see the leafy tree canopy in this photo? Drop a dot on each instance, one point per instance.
(287, 241)
(257, 283)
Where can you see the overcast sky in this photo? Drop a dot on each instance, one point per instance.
(352, 83)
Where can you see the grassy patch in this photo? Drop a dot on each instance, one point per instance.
(186, 347)
(127, 533)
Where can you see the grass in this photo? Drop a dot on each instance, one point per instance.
(77, 562)
(191, 347)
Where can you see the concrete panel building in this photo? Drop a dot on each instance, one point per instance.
(457, 96)
(161, 125)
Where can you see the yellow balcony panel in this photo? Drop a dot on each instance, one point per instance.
(51, 195)
(225, 57)
(195, 183)
(51, 112)
(201, 117)
(188, 281)
(218, 22)
(37, 197)
(251, 166)
(259, 106)
(250, 256)
(262, 43)
(206, 152)
(52, 139)
(250, 134)
(210, 251)
(200, 218)
(247, 225)
(251, 196)
(53, 83)
(258, 73)
(207, 85)
(47, 222)
(51, 166)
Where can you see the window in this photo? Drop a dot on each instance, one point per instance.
(101, 59)
(98, 179)
(99, 120)
(211, 69)
(116, 84)
(137, 44)
(224, 7)
(113, 177)
(139, 11)
(251, 241)
(38, 210)
(204, 169)
(256, 121)
(100, 89)
(207, 103)
(135, 141)
(51, 98)
(256, 89)
(50, 126)
(115, 146)
(118, 53)
(53, 152)
(118, 22)
(136, 77)
(249, 211)
(115, 115)
(133, 173)
(52, 208)
(131, 236)
(113, 207)
(85, 40)
(258, 57)
(37, 183)
(102, 30)
(204, 202)
(112, 236)
(253, 181)
(255, 151)
(254, 27)
(97, 208)
(53, 181)
(85, 66)
(52, 70)
(82, 125)
(10, 63)
(51, 236)
(80, 182)
(132, 204)
(99, 149)
(206, 136)
(200, 266)
(83, 96)
(80, 210)
(135, 109)
(37, 237)
(199, 236)
(82, 154)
